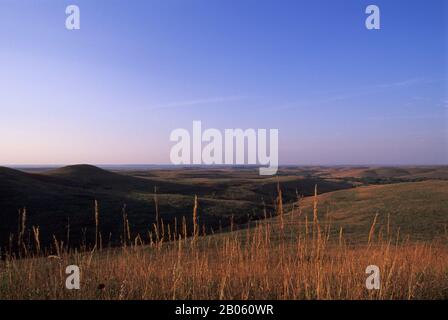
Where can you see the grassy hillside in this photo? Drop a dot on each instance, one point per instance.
(65, 197)
(289, 256)
(387, 174)
(57, 200)
(271, 260)
(418, 210)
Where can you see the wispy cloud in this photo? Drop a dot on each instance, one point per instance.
(407, 117)
(404, 83)
(359, 92)
(443, 104)
(201, 101)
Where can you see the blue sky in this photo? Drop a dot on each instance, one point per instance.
(113, 91)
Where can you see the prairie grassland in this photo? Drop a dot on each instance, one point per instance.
(268, 260)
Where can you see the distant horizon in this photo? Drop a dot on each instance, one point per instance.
(37, 166)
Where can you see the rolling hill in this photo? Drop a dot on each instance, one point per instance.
(388, 174)
(418, 210)
(60, 197)
(63, 198)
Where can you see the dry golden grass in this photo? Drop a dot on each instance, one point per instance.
(260, 262)
(232, 268)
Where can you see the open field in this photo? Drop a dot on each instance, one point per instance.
(230, 268)
(314, 247)
(61, 201)
(416, 210)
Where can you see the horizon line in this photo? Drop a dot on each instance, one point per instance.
(221, 165)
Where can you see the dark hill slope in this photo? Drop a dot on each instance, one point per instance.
(67, 195)
(88, 177)
(55, 197)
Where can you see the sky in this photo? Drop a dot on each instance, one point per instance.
(113, 91)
